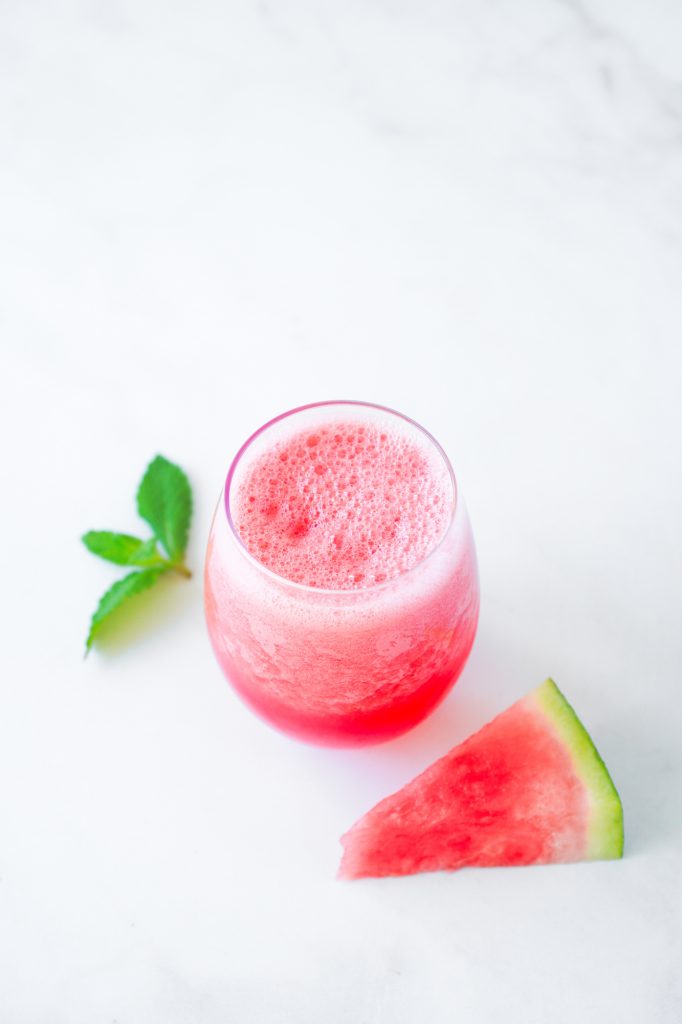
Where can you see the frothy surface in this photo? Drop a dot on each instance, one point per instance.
(343, 506)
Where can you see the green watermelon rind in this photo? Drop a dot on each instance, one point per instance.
(604, 840)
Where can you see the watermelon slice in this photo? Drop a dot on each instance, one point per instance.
(528, 788)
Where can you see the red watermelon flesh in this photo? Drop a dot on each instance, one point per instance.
(528, 788)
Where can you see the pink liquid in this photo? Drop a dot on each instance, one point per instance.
(342, 601)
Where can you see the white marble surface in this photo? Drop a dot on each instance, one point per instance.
(212, 212)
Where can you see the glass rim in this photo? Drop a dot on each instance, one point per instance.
(305, 587)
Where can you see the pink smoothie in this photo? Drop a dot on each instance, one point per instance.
(341, 585)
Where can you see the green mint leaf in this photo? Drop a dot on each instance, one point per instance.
(120, 548)
(122, 590)
(164, 500)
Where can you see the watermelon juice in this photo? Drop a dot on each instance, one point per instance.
(341, 586)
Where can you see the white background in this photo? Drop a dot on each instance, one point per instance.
(212, 212)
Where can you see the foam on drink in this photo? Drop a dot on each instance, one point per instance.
(343, 506)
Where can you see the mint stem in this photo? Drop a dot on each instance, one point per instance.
(180, 568)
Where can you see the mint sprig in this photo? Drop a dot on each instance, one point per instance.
(164, 501)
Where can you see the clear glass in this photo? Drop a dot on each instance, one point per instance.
(341, 667)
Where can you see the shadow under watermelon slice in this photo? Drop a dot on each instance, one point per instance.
(528, 788)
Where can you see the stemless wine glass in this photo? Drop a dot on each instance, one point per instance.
(341, 667)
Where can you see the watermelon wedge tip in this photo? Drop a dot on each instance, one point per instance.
(528, 788)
